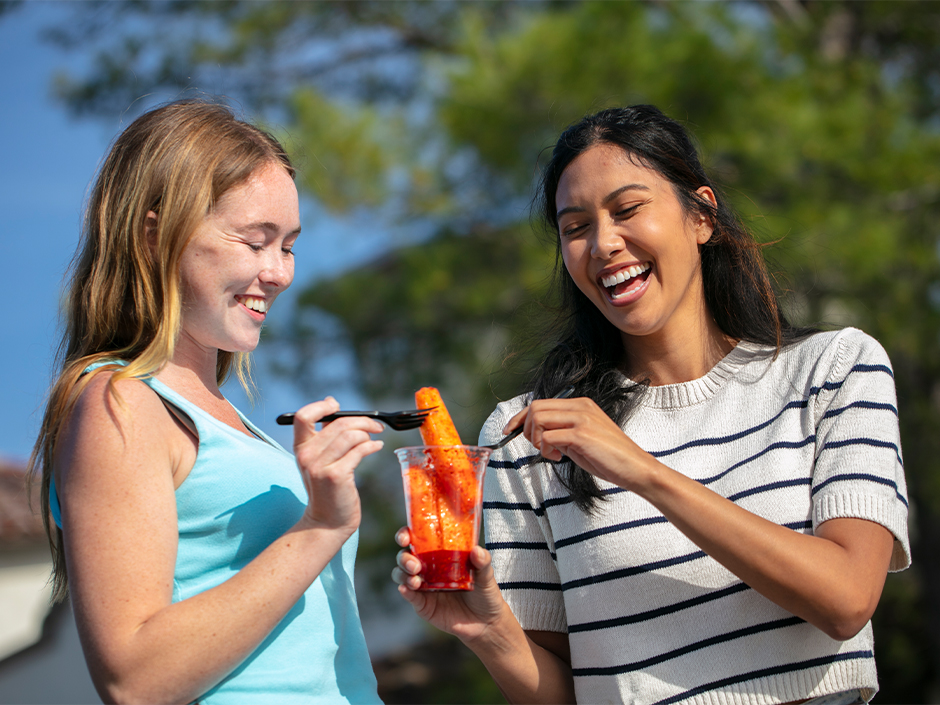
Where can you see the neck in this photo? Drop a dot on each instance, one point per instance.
(671, 357)
(192, 368)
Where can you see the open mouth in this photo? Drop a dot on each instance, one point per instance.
(625, 281)
(254, 303)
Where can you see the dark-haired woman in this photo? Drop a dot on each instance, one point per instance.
(712, 517)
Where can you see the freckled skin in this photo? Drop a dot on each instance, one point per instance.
(242, 248)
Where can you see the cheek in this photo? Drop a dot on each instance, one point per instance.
(573, 255)
(290, 273)
(570, 255)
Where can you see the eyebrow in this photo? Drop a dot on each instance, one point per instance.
(607, 199)
(266, 226)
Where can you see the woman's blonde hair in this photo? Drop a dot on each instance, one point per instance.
(124, 301)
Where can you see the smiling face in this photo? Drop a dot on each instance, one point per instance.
(237, 262)
(629, 245)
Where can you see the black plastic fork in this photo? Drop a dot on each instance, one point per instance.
(396, 420)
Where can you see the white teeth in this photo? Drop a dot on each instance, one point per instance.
(624, 274)
(255, 304)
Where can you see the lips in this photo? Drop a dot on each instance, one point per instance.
(626, 281)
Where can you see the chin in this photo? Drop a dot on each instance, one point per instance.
(246, 346)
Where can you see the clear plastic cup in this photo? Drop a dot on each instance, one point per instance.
(444, 499)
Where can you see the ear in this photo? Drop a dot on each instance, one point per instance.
(705, 225)
(150, 233)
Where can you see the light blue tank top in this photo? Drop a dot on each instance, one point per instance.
(241, 495)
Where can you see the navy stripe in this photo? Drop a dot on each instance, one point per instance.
(658, 612)
(769, 487)
(626, 526)
(873, 368)
(874, 442)
(690, 648)
(764, 672)
(517, 464)
(550, 502)
(796, 525)
(721, 440)
(529, 585)
(539, 511)
(633, 570)
(878, 406)
(524, 545)
(789, 445)
(861, 476)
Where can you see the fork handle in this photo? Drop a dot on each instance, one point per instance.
(288, 418)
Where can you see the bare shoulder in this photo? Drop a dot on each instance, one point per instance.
(116, 404)
(120, 424)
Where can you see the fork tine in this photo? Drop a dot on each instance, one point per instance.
(407, 420)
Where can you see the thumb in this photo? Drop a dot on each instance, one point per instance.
(482, 562)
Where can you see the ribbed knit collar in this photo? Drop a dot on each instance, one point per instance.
(696, 391)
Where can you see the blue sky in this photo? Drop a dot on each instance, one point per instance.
(48, 161)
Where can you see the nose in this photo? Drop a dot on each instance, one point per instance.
(606, 241)
(278, 271)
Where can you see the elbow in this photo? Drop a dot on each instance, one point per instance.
(114, 691)
(844, 629)
(847, 619)
(130, 691)
(114, 686)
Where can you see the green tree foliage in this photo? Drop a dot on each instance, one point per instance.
(819, 118)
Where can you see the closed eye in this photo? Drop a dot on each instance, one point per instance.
(628, 211)
(572, 230)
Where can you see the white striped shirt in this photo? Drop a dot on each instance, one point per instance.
(809, 436)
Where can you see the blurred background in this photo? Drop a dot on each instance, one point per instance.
(418, 128)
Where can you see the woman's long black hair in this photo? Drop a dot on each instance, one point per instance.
(738, 290)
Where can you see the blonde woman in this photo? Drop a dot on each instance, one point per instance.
(203, 561)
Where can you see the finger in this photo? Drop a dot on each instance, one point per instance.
(307, 416)
(480, 558)
(339, 455)
(351, 459)
(404, 579)
(516, 421)
(408, 562)
(557, 418)
(403, 536)
(416, 599)
(346, 423)
(550, 452)
(482, 563)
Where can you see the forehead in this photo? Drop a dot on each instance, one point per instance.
(268, 188)
(604, 166)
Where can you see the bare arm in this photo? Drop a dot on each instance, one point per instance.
(115, 470)
(833, 580)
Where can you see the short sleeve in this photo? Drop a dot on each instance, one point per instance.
(859, 468)
(518, 534)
